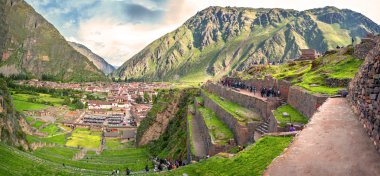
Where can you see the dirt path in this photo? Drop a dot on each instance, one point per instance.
(333, 143)
(199, 144)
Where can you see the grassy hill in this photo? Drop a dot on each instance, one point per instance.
(312, 75)
(31, 47)
(218, 40)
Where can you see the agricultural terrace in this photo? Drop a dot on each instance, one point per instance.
(243, 115)
(218, 130)
(84, 138)
(311, 75)
(294, 115)
(252, 161)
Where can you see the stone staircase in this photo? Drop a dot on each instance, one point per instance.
(283, 102)
(263, 128)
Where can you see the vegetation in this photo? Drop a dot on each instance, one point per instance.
(295, 116)
(84, 138)
(51, 129)
(59, 139)
(218, 130)
(172, 143)
(243, 115)
(311, 75)
(252, 161)
(114, 144)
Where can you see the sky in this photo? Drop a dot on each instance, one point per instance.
(118, 29)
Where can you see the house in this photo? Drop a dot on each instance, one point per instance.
(308, 54)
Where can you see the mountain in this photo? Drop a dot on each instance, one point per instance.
(32, 47)
(218, 40)
(99, 62)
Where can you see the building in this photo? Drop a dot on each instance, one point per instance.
(308, 54)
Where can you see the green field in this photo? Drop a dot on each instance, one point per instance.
(296, 116)
(243, 115)
(218, 130)
(252, 161)
(51, 129)
(114, 144)
(85, 138)
(37, 124)
(28, 106)
(59, 139)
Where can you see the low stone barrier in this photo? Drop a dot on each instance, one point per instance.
(334, 82)
(269, 82)
(305, 102)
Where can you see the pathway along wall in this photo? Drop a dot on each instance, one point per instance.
(364, 93)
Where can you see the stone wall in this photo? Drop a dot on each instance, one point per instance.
(305, 102)
(268, 82)
(364, 93)
(249, 102)
(210, 147)
(362, 49)
(334, 82)
(241, 132)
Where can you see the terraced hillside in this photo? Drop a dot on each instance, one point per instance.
(31, 47)
(218, 40)
(317, 76)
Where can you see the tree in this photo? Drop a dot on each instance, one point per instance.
(146, 97)
(139, 99)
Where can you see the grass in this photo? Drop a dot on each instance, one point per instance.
(57, 139)
(85, 138)
(306, 73)
(28, 106)
(252, 161)
(243, 115)
(218, 130)
(37, 124)
(190, 131)
(114, 144)
(296, 116)
(51, 129)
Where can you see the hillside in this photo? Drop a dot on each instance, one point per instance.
(32, 47)
(10, 120)
(99, 62)
(218, 40)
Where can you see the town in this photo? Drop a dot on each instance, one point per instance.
(116, 111)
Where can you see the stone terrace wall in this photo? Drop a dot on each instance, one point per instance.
(364, 93)
(268, 82)
(304, 102)
(210, 147)
(241, 133)
(253, 103)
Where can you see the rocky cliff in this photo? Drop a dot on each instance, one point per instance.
(218, 40)
(32, 47)
(99, 62)
(10, 120)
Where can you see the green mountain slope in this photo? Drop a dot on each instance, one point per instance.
(31, 46)
(218, 40)
(99, 62)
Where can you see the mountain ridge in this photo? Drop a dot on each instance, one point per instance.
(32, 47)
(99, 62)
(218, 40)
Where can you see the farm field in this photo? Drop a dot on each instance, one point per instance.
(84, 138)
